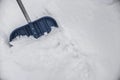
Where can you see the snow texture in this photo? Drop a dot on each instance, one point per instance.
(86, 46)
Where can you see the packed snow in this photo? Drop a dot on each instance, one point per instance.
(86, 46)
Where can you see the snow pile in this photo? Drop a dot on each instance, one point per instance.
(84, 47)
(53, 56)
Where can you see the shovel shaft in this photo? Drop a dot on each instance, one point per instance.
(24, 11)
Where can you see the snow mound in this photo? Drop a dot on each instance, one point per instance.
(53, 56)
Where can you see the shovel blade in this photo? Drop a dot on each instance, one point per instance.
(35, 29)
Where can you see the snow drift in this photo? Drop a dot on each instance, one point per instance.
(85, 47)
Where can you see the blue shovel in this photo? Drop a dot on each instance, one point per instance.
(36, 28)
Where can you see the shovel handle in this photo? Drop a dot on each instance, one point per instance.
(24, 11)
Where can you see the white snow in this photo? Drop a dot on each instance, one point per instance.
(84, 47)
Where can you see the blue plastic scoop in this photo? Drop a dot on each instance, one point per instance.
(36, 28)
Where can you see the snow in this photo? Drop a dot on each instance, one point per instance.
(84, 47)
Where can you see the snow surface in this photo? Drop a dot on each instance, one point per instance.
(84, 47)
